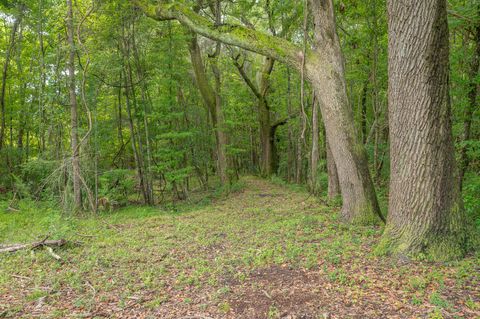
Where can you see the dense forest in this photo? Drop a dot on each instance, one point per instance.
(127, 110)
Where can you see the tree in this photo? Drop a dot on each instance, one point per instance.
(212, 102)
(8, 53)
(75, 146)
(426, 216)
(323, 66)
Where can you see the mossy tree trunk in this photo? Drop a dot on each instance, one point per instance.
(426, 218)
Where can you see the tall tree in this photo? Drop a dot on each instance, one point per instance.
(426, 216)
(6, 64)
(324, 67)
(75, 146)
(212, 102)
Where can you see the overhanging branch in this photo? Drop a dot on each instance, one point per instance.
(236, 35)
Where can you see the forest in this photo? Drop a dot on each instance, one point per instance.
(199, 159)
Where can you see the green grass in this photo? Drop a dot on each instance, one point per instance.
(203, 245)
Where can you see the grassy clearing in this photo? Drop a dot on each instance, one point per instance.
(263, 252)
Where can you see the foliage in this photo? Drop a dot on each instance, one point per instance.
(117, 185)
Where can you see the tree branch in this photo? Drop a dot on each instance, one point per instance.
(283, 121)
(248, 39)
(245, 77)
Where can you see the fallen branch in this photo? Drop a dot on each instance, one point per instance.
(47, 243)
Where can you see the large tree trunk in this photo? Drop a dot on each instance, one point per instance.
(426, 217)
(328, 78)
(75, 147)
(324, 68)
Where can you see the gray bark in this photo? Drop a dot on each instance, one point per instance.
(426, 217)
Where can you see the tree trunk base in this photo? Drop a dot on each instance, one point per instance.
(451, 243)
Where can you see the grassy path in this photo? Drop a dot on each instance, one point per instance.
(264, 252)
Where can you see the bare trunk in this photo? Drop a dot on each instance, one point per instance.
(41, 106)
(426, 217)
(77, 192)
(328, 78)
(6, 65)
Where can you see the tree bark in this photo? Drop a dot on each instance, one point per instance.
(328, 78)
(426, 217)
(77, 192)
(324, 68)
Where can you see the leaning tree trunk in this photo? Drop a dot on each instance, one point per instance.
(324, 68)
(426, 217)
(328, 78)
(77, 192)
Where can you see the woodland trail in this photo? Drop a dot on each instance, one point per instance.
(267, 251)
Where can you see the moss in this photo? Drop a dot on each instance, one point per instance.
(432, 247)
(365, 216)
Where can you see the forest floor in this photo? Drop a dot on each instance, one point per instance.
(265, 251)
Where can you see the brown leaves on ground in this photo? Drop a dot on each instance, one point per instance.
(265, 252)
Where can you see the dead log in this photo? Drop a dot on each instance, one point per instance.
(43, 243)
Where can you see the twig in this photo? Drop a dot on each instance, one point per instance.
(21, 277)
(267, 294)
